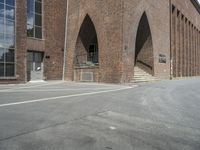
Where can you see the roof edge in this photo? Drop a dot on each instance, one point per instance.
(196, 5)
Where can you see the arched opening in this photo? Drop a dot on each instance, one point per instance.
(86, 51)
(144, 46)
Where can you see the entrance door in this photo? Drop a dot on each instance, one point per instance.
(35, 66)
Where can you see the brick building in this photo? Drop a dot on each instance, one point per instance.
(101, 41)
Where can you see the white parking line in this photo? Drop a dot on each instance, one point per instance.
(53, 90)
(61, 97)
(27, 87)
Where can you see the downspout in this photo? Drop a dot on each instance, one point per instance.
(65, 43)
(170, 38)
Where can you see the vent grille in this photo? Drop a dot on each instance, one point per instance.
(87, 76)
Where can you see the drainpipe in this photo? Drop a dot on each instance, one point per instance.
(170, 21)
(65, 43)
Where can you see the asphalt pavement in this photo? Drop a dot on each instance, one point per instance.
(58, 115)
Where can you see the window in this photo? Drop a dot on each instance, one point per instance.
(34, 18)
(7, 38)
(93, 53)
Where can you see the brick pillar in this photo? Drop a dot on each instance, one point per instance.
(187, 46)
(198, 53)
(184, 47)
(21, 40)
(190, 47)
(195, 50)
(192, 52)
(181, 45)
(174, 16)
(177, 44)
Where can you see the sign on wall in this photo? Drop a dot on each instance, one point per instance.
(162, 59)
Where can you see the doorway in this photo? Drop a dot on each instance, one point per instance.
(144, 46)
(35, 66)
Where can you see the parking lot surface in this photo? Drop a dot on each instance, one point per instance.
(88, 116)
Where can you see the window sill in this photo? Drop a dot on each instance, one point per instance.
(87, 67)
(32, 38)
(8, 78)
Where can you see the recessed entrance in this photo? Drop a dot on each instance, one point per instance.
(86, 62)
(144, 46)
(86, 52)
(34, 66)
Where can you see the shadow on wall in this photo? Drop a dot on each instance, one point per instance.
(144, 46)
(86, 51)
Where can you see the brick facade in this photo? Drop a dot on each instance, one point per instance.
(171, 30)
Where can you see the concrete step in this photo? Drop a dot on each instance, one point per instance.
(141, 76)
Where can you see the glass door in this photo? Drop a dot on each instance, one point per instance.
(35, 66)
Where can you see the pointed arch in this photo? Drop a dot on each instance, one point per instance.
(144, 45)
(86, 49)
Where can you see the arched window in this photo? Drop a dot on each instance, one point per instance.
(86, 52)
(144, 45)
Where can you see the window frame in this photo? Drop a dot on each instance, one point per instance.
(34, 20)
(4, 42)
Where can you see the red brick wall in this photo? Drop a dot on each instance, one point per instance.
(106, 16)
(54, 34)
(185, 44)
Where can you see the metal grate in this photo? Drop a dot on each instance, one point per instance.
(87, 76)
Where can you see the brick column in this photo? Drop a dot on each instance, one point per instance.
(178, 44)
(185, 47)
(21, 40)
(174, 18)
(181, 45)
(198, 53)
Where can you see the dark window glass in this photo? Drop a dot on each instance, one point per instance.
(38, 8)
(10, 40)
(1, 39)
(93, 53)
(10, 2)
(1, 1)
(30, 18)
(10, 70)
(10, 55)
(10, 13)
(10, 27)
(1, 25)
(1, 10)
(30, 31)
(7, 38)
(30, 6)
(1, 55)
(30, 56)
(38, 57)
(1, 69)
(38, 20)
(34, 18)
(38, 32)
(30, 66)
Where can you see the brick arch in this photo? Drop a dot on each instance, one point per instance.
(87, 35)
(144, 56)
(140, 10)
(96, 18)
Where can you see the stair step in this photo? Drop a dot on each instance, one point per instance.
(141, 76)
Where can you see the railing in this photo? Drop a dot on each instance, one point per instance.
(86, 60)
(145, 64)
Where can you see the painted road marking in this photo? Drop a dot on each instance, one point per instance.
(27, 87)
(61, 97)
(54, 90)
